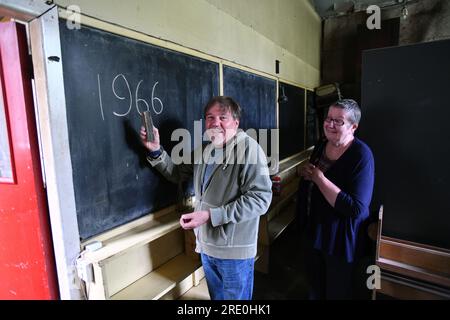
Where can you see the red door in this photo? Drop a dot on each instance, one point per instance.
(27, 267)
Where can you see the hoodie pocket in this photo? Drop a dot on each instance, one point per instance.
(223, 233)
(229, 230)
(212, 235)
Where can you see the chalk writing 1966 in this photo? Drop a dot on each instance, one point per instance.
(115, 83)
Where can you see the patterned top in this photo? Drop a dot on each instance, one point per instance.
(324, 163)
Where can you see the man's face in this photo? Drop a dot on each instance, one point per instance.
(220, 125)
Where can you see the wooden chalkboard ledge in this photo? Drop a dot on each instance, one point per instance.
(281, 201)
(145, 260)
(130, 227)
(288, 169)
(282, 209)
(281, 222)
(269, 231)
(176, 275)
(291, 162)
(135, 237)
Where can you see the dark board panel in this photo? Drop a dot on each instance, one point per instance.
(312, 122)
(109, 80)
(292, 120)
(257, 97)
(405, 122)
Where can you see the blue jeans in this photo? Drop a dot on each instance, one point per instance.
(229, 279)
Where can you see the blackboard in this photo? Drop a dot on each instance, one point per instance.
(405, 114)
(257, 97)
(292, 120)
(312, 121)
(109, 80)
(255, 94)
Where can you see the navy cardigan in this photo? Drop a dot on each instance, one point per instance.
(336, 231)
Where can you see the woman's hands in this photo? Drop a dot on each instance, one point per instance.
(312, 173)
(328, 189)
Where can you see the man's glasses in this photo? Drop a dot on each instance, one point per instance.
(337, 122)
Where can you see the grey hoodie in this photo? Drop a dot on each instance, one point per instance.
(237, 194)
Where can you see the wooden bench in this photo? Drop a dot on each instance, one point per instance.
(411, 270)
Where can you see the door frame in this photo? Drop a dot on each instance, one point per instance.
(50, 111)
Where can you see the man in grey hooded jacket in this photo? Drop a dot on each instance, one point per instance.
(232, 190)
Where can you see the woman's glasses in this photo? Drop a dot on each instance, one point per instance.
(337, 122)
